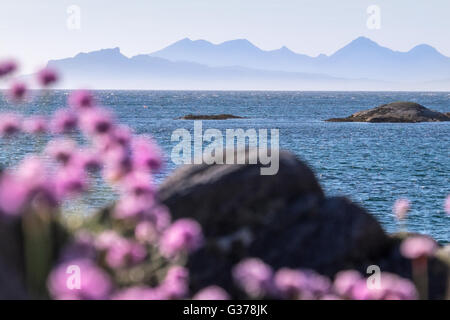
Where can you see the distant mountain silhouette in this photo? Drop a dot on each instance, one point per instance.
(110, 69)
(238, 64)
(361, 58)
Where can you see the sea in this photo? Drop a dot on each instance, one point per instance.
(371, 163)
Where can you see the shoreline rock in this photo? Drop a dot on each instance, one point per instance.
(396, 112)
(209, 117)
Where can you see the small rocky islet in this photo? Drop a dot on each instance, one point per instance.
(209, 117)
(396, 112)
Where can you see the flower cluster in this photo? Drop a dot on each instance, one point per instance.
(258, 280)
(137, 255)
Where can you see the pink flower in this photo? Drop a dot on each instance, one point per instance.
(447, 205)
(391, 287)
(7, 67)
(291, 284)
(35, 125)
(417, 247)
(138, 184)
(61, 149)
(47, 77)
(79, 279)
(13, 194)
(106, 239)
(117, 163)
(70, 181)
(132, 207)
(212, 293)
(86, 159)
(81, 99)
(345, 281)
(18, 91)
(96, 121)
(32, 171)
(64, 121)
(138, 293)
(124, 252)
(254, 277)
(401, 208)
(146, 232)
(10, 123)
(176, 283)
(160, 216)
(122, 135)
(184, 235)
(146, 154)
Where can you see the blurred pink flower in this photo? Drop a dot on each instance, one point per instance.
(106, 239)
(86, 159)
(417, 247)
(392, 287)
(32, 171)
(290, 284)
(160, 216)
(317, 285)
(10, 123)
(176, 283)
(18, 91)
(401, 208)
(138, 184)
(184, 235)
(35, 125)
(447, 205)
(146, 232)
(211, 293)
(254, 277)
(47, 77)
(146, 154)
(345, 281)
(132, 207)
(123, 252)
(70, 181)
(61, 149)
(94, 283)
(122, 135)
(81, 99)
(64, 121)
(13, 194)
(138, 293)
(7, 67)
(96, 121)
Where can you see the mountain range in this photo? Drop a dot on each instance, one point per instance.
(240, 65)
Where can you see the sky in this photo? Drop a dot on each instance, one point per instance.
(37, 31)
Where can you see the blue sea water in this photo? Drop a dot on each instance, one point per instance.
(373, 164)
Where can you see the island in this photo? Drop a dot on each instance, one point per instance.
(209, 117)
(401, 111)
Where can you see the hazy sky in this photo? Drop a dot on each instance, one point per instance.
(36, 31)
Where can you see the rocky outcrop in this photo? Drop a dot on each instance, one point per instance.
(396, 112)
(283, 219)
(209, 117)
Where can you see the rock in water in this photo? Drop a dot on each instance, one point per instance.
(396, 112)
(209, 117)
